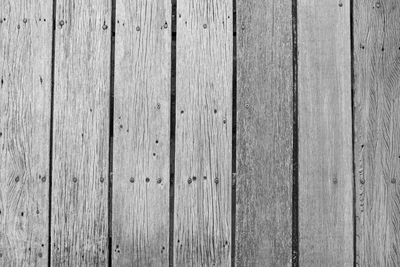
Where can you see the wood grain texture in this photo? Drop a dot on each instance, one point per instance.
(264, 133)
(81, 133)
(141, 133)
(325, 133)
(203, 175)
(377, 131)
(25, 68)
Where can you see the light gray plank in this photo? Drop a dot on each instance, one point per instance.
(325, 134)
(264, 133)
(141, 133)
(81, 133)
(202, 219)
(377, 131)
(25, 70)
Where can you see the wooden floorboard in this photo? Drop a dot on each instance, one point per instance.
(203, 163)
(25, 89)
(264, 133)
(325, 133)
(141, 133)
(377, 131)
(79, 224)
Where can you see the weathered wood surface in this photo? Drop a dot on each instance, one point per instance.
(81, 133)
(264, 133)
(141, 133)
(377, 131)
(202, 219)
(25, 71)
(325, 134)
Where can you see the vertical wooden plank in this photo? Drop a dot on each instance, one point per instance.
(325, 133)
(264, 133)
(25, 71)
(202, 221)
(377, 131)
(81, 133)
(141, 133)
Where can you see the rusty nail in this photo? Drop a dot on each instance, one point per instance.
(147, 179)
(131, 179)
(189, 180)
(159, 180)
(137, 28)
(74, 179)
(393, 180)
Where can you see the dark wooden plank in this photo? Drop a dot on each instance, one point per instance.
(203, 175)
(264, 133)
(377, 131)
(141, 133)
(81, 133)
(325, 134)
(25, 71)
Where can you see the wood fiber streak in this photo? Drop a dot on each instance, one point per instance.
(377, 131)
(265, 135)
(203, 164)
(25, 70)
(81, 132)
(142, 133)
(325, 133)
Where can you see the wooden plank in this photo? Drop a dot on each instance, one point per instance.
(264, 133)
(81, 133)
(325, 133)
(142, 133)
(203, 175)
(25, 71)
(377, 131)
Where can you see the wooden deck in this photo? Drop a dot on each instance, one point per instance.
(199, 133)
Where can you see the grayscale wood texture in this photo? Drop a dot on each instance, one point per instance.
(141, 133)
(325, 133)
(79, 225)
(203, 163)
(25, 71)
(377, 131)
(264, 133)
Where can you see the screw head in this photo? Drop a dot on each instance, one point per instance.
(74, 179)
(131, 179)
(159, 180)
